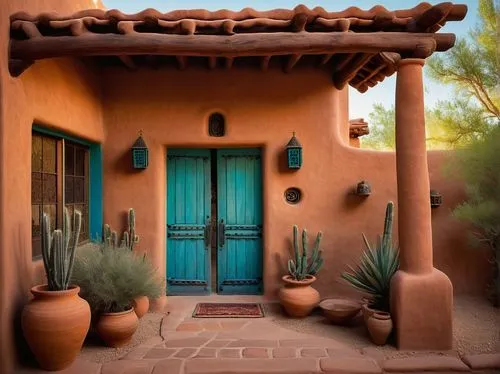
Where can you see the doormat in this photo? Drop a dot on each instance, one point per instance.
(228, 310)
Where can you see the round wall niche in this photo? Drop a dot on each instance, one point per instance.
(293, 195)
(216, 125)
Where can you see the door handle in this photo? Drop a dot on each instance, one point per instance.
(207, 234)
(222, 233)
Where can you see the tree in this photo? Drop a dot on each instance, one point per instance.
(382, 135)
(479, 165)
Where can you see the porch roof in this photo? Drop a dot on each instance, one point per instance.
(360, 47)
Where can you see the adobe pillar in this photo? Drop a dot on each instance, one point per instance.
(421, 296)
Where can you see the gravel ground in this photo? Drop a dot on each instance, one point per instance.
(94, 349)
(476, 329)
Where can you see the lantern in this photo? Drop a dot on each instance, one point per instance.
(363, 189)
(294, 153)
(436, 199)
(140, 153)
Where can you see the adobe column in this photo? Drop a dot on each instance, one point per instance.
(421, 296)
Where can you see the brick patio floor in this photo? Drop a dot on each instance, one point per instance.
(256, 345)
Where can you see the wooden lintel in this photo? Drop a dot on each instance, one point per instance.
(292, 61)
(229, 62)
(212, 62)
(342, 77)
(251, 44)
(264, 62)
(128, 62)
(182, 62)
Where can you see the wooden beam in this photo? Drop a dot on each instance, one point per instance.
(264, 62)
(182, 62)
(153, 61)
(431, 17)
(292, 61)
(229, 62)
(342, 77)
(212, 62)
(343, 61)
(327, 57)
(17, 67)
(128, 62)
(251, 44)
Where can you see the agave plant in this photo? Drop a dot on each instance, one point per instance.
(377, 266)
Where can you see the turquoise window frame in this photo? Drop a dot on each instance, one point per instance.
(95, 180)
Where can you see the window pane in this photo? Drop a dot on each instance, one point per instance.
(70, 210)
(79, 184)
(80, 162)
(49, 155)
(36, 188)
(49, 188)
(35, 221)
(51, 210)
(69, 190)
(36, 153)
(69, 161)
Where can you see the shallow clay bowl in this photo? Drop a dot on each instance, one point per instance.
(340, 311)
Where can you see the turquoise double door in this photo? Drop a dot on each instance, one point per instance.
(214, 221)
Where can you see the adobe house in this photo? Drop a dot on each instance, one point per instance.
(217, 97)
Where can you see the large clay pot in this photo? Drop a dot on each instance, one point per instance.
(379, 326)
(117, 329)
(141, 306)
(298, 297)
(55, 324)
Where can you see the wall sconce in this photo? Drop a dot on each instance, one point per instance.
(140, 153)
(436, 199)
(294, 153)
(363, 189)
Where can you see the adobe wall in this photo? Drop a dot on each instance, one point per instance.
(172, 110)
(62, 95)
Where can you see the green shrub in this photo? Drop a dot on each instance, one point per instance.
(111, 278)
(377, 266)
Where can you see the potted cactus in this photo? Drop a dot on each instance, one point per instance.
(297, 296)
(56, 321)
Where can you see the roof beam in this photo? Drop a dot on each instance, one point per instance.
(212, 62)
(182, 62)
(252, 44)
(341, 78)
(128, 62)
(292, 61)
(264, 62)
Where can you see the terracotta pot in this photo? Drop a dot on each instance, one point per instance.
(55, 324)
(379, 326)
(340, 310)
(117, 329)
(298, 297)
(367, 311)
(141, 306)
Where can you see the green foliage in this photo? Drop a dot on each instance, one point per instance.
(302, 266)
(479, 165)
(377, 266)
(110, 278)
(382, 129)
(58, 250)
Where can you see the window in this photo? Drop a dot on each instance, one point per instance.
(59, 177)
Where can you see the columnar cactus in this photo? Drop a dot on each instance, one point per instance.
(302, 267)
(58, 250)
(130, 238)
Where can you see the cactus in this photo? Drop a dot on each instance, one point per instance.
(58, 250)
(111, 237)
(301, 266)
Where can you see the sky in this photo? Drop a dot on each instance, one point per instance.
(360, 104)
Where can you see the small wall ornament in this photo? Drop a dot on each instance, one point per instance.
(363, 189)
(436, 199)
(140, 155)
(294, 153)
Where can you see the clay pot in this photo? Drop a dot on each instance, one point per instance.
(367, 311)
(298, 297)
(340, 311)
(141, 306)
(55, 324)
(117, 329)
(379, 326)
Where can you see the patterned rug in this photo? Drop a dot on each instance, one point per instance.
(228, 310)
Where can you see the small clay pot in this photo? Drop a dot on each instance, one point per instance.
(340, 311)
(117, 329)
(297, 297)
(141, 306)
(379, 326)
(55, 324)
(367, 311)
